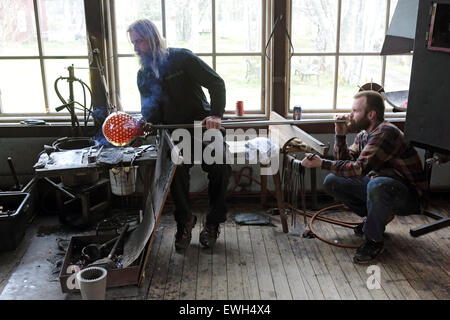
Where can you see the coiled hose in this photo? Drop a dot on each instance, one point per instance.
(71, 104)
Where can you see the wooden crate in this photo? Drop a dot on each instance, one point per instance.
(116, 277)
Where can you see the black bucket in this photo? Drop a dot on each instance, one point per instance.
(74, 143)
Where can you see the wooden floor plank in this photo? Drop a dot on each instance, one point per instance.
(293, 272)
(425, 269)
(326, 283)
(409, 262)
(234, 275)
(397, 251)
(280, 281)
(390, 266)
(150, 268)
(340, 278)
(173, 284)
(439, 255)
(388, 285)
(204, 281)
(265, 282)
(249, 278)
(219, 282)
(402, 261)
(377, 294)
(188, 289)
(357, 284)
(158, 283)
(312, 286)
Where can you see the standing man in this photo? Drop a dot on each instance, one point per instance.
(378, 176)
(170, 83)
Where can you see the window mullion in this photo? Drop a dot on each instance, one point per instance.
(263, 66)
(386, 27)
(336, 68)
(163, 18)
(213, 20)
(41, 60)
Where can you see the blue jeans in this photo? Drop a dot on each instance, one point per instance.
(377, 199)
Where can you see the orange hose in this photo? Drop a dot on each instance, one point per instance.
(350, 225)
(316, 215)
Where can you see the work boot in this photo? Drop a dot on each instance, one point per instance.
(184, 234)
(209, 235)
(368, 251)
(358, 230)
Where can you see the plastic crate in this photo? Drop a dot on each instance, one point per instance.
(12, 226)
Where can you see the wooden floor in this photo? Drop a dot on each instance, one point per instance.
(262, 262)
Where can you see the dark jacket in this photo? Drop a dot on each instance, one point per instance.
(177, 97)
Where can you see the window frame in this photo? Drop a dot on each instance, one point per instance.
(41, 57)
(325, 113)
(267, 64)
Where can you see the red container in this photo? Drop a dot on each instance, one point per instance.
(240, 108)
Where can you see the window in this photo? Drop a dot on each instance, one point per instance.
(39, 40)
(337, 45)
(227, 34)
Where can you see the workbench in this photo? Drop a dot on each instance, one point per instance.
(78, 165)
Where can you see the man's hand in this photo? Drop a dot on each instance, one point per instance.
(341, 128)
(212, 122)
(311, 161)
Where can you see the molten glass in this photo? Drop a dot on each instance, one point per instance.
(120, 128)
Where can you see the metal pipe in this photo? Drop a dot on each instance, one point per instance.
(250, 123)
(254, 123)
(60, 188)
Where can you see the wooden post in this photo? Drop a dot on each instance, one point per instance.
(96, 35)
(279, 57)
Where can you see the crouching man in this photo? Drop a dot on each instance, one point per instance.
(378, 176)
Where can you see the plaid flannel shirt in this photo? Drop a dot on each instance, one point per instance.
(382, 152)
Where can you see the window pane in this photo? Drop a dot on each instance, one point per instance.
(55, 68)
(398, 73)
(129, 93)
(189, 24)
(238, 25)
(314, 25)
(131, 10)
(242, 76)
(17, 28)
(63, 27)
(21, 90)
(362, 25)
(393, 5)
(353, 72)
(312, 80)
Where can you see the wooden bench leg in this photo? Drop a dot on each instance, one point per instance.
(263, 191)
(277, 183)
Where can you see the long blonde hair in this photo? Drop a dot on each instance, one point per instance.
(147, 30)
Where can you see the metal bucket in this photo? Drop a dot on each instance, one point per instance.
(123, 180)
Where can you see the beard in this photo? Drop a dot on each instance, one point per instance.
(359, 125)
(145, 59)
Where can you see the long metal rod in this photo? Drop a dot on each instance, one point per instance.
(256, 123)
(234, 124)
